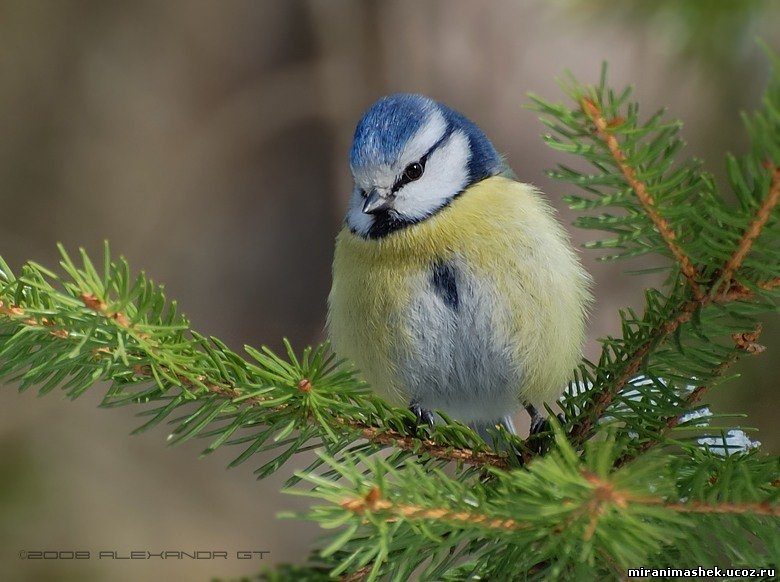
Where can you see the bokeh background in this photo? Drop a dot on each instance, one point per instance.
(207, 141)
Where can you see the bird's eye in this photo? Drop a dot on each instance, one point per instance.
(363, 193)
(413, 171)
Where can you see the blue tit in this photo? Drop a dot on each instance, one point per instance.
(454, 287)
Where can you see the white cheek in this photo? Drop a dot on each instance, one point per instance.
(357, 220)
(446, 174)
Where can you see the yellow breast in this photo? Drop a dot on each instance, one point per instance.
(506, 234)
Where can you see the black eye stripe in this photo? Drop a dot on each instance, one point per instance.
(403, 180)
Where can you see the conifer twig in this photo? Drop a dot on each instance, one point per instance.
(769, 285)
(593, 111)
(752, 232)
(374, 502)
(379, 436)
(394, 439)
(583, 430)
(745, 342)
(358, 575)
(604, 494)
(722, 507)
(729, 291)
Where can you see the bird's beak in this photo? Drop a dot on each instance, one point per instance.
(377, 202)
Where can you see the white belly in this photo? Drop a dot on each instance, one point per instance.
(455, 360)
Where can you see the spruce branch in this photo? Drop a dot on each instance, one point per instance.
(693, 398)
(391, 438)
(603, 495)
(754, 230)
(560, 509)
(391, 512)
(640, 189)
(133, 350)
(441, 504)
(720, 508)
(584, 429)
(672, 207)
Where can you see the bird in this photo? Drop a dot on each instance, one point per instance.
(454, 289)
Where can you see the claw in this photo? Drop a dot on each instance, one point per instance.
(423, 414)
(540, 423)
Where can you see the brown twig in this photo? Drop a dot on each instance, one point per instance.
(595, 114)
(92, 302)
(601, 401)
(373, 502)
(358, 575)
(379, 436)
(392, 438)
(672, 421)
(723, 507)
(727, 292)
(604, 495)
(769, 285)
(751, 232)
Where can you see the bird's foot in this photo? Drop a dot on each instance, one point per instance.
(540, 424)
(423, 415)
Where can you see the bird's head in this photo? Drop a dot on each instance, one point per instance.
(410, 157)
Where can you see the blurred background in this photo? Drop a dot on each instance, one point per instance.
(208, 141)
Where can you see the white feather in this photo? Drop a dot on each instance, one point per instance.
(383, 176)
(445, 176)
(455, 361)
(423, 140)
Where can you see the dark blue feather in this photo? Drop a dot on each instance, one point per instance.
(484, 161)
(385, 129)
(391, 122)
(445, 285)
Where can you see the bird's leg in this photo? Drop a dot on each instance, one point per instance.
(423, 414)
(539, 423)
